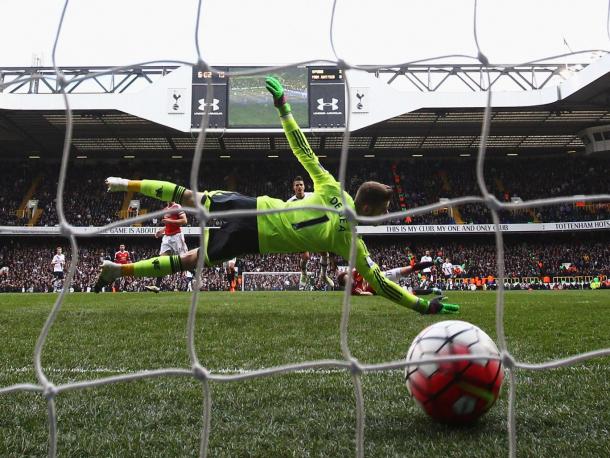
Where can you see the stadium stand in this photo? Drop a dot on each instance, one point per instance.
(568, 256)
(420, 182)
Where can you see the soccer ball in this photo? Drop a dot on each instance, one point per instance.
(3, 271)
(454, 392)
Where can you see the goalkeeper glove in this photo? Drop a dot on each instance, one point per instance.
(277, 91)
(436, 306)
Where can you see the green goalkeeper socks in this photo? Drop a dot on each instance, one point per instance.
(162, 190)
(157, 267)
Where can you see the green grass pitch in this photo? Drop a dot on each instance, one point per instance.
(561, 412)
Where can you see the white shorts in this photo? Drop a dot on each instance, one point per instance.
(393, 274)
(174, 243)
(229, 263)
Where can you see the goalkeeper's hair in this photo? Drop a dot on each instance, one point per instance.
(373, 194)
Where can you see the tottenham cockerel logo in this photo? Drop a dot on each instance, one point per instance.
(214, 105)
(333, 105)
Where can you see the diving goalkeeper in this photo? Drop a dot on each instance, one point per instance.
(286, 232)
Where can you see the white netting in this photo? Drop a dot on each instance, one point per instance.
(50, 391)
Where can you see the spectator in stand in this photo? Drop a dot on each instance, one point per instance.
(88, 205)
(27, 260)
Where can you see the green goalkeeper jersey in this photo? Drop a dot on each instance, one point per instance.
(315, 230)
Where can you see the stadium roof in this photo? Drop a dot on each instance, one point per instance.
(450, 131)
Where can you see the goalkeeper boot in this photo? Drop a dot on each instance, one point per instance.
(116, 184)
(437, 291)
(110, 272)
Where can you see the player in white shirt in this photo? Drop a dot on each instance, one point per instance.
(298, 187)
(58, 262)
(426, 258)
(428, 271)
(447, 269)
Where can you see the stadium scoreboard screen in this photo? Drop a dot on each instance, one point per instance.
(215, 104)
(251, 106)
(326, 97)
(316, 95)
(331, 74)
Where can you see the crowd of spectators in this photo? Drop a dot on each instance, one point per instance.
(29, 261)
(416, 182)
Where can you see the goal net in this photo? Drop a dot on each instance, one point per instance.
(45, 385)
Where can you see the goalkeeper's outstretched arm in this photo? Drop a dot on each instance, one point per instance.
(390, 290)
(298, 143)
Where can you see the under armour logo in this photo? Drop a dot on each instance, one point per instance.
(159, 192)
(333, 104)
(213, 105)
(156, 264)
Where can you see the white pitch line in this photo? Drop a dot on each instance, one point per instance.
(238, 370)
(109, 370)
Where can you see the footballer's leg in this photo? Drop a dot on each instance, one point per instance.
(425, 292)
(324, 270)
(109, 273)
(395, 274)
(160, 190)
(158, 266)
(238, 236)
(156, 288)
(303, 261)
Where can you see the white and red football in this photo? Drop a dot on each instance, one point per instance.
(457, 391)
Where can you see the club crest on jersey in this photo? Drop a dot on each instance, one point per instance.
(159, 192)
(156, 264)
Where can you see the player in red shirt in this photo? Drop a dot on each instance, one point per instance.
(359, 286)
(121, 257)
(173, 239)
